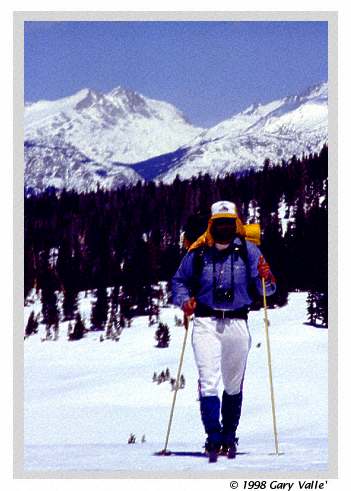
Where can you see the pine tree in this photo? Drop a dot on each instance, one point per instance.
(322, 308)
(32, 325)
(274, 250)
(317, 309)
(49, 306)
(109, 328)
(78, 329)
(69, 330)
(70, 303)
(56, 328)
(99, 310)
(115, 298)
(113, 330)
(311, 308)
(154, 312)
(125, 307)
(93, 233)
(162, 336)
(30, 272)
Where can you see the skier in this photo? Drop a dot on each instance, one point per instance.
(213, 282)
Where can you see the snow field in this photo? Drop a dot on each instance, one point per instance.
(83, 399)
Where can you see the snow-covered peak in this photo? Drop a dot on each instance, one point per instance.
(316, 91)
(299, 112)
(276, 130)
(89, 98)
(128, 100)
(41, 110)
(252, 109)
(120, 126)
(125, 127)
(116, 91)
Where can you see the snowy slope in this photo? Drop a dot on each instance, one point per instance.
(58, 164)
(120, 126)
(89, 138)
(127, 137)
(83, 399)
(277, 130)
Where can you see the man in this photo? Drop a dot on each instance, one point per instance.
(213, 282)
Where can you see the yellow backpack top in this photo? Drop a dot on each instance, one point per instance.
(251, 232)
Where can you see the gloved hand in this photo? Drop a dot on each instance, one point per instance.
(264, 270)
(189, 306)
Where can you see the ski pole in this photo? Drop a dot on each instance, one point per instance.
(186, 326)
(266, 322)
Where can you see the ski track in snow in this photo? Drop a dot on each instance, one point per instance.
(84, 398)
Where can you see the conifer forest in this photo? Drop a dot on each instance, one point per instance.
(128, 239)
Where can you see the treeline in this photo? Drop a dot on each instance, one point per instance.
(130, 237)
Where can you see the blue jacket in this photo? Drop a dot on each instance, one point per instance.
(217, 268)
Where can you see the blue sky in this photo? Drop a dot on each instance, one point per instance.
(208, 70)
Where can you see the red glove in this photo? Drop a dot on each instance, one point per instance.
(264, 270)
(189, 306)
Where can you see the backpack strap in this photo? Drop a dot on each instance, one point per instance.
(250, 283)
(198, 265)
(244, 254)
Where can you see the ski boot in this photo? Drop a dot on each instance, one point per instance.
(212, 449)
(231, 411)
(210, 408)
(229, 448)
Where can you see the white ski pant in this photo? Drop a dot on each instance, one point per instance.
(221, 347)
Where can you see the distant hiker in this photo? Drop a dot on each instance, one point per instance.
(213, 282)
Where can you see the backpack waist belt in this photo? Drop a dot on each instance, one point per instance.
(203, 310)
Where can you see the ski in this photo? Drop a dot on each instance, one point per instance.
(196, 454)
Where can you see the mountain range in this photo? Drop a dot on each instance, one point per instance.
(91, 138)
